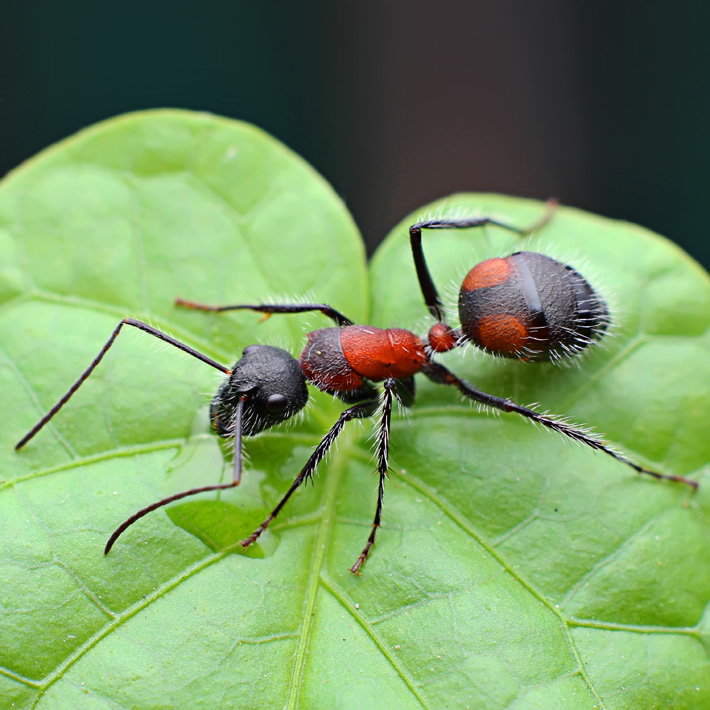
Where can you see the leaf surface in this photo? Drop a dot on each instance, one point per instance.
(513, 570)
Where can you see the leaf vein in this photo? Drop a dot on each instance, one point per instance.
(342, 599)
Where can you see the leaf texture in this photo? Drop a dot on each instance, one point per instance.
(513, 570)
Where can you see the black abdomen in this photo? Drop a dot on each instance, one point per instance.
(531, 307)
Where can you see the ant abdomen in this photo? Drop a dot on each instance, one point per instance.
(531, 307)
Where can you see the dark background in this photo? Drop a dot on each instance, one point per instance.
(604, 105)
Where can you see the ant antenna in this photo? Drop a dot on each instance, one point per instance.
(236, 478)
(94, 363)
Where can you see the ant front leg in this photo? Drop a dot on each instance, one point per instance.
(439, 374)
(426, 283)
(361, 410)
(269, 309)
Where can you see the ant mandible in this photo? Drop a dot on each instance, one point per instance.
(527, 306)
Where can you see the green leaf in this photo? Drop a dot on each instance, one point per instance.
(513, 570)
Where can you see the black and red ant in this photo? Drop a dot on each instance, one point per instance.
(526, 306)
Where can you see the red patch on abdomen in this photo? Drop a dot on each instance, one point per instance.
(491, 272)
(502, 333)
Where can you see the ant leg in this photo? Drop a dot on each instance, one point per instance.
(439, 374)
(268, 309)
(236, 479)
(405, 391)
(383, 448)
(358, 411)
(126, 321)
(426, 283)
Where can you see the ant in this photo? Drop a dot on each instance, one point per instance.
(526, 306)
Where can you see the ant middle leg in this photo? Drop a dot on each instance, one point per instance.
(383, 448)
(269, 309)
(362, 410)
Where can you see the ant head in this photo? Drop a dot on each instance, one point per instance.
(274, 385)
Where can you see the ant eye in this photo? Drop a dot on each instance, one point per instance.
(276, 403)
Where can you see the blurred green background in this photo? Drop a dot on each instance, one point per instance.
(604, 105)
